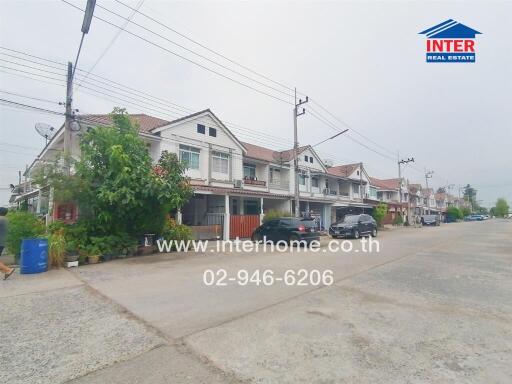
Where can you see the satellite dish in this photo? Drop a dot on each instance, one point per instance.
(278, 157)
(45, 130)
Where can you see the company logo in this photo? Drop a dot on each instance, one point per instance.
(450, 42)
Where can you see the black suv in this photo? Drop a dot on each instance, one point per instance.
(354, 226)
(287, 229)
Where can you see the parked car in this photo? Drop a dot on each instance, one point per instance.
(354, 226)
(430, 220)
(474, 217)
(450, 219)
(287, 229)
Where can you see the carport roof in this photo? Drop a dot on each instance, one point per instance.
(237, 191)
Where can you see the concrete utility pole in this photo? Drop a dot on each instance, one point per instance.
(296, 114)
(68, 123)
(68, 136)
(428, 175)
(400, 162)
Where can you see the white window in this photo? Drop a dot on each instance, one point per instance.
(302, 179)
(314, 182)
(275, 176)
(355, 188)
(189, 156)
(220, 162)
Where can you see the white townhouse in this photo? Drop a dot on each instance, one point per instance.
(396, 194)
(234, 182)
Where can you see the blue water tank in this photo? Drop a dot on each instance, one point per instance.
(34, 256)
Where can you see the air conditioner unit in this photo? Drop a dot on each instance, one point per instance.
(238, 183)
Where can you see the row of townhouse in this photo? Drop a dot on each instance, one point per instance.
(235, 182)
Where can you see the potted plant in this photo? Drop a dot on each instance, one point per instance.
(72, 251)
(93, 253)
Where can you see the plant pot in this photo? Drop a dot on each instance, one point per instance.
(71, 257)
(93, 259)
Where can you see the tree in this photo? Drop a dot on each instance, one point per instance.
(465, 211)
(441, 190)
(470, 196)
(454, 212)
(379, 212)
(502, 208)
(117, 188)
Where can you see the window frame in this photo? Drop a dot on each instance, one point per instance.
(190, 150)
(212, 130)
(220, 157)
(201, 127)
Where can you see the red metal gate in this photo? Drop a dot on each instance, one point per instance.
(243, 225)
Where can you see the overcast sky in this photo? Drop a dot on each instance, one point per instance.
(363, 61)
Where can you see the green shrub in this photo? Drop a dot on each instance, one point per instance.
(57, 248)
(274, 214)
(175, 231)
(398, 220)
(379, 212)
(454, 212)
(22, 225)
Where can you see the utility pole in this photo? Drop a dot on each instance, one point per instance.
(361, 183)
(68, 135)
(428, 175)
(296, 114)
(68, 126)
(400, 162)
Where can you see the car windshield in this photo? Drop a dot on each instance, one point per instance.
(351, 219)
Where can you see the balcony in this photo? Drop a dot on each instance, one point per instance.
(254, 182)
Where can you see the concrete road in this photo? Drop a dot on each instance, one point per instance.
(434, 305)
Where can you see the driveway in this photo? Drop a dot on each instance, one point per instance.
(434, 305)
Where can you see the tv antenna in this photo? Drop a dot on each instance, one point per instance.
(45, 130)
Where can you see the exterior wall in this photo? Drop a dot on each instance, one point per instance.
(186, 134)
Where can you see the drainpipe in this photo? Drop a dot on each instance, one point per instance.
(261, 211)
(209, 163)
(227, 218)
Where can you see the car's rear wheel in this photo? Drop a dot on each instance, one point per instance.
(293, 238)
(334, 236)
(374, 232)
(256, 237)
(356, 234)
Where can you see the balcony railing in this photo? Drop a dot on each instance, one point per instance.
(254, 181)
(279, 184)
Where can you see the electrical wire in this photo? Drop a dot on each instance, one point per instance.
(184, 58)
(111, 43)
(207, 48)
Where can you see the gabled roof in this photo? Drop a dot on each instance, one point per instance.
(197, 114)
(388, 184)
(145, 122)
(450, 29)
(343, 170)
(414, 188)
(270, 155)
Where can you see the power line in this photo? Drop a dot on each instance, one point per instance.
(185, 58)
(26, 106)
(197, 54)
(207, 48)
(350, 127)
(112, 42)
(29, 97)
